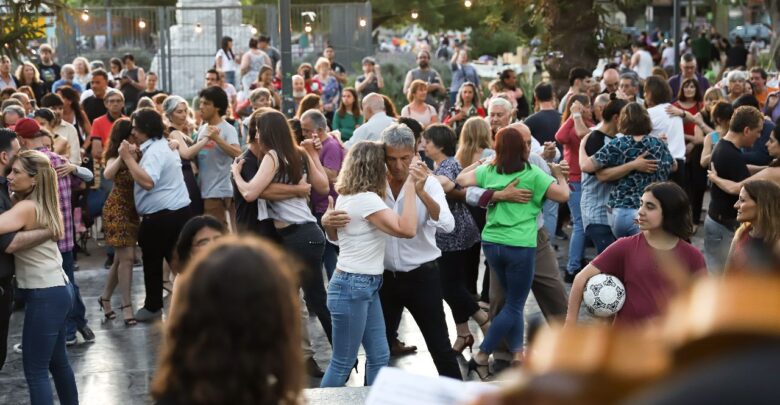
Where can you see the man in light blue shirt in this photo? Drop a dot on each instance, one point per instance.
(161, 199)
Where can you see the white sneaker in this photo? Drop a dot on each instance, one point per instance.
(18, 348)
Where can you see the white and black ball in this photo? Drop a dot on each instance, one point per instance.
(604, 295)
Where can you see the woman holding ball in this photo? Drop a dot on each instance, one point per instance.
(653, 264)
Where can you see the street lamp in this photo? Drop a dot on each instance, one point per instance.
(85, 15)
(198, 28)
(415, 14)
(141, 24)
(467, 3)
(362, 23)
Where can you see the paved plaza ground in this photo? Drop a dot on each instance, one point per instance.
(118, 366)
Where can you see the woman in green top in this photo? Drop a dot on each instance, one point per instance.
(348, 117)
(509, 236)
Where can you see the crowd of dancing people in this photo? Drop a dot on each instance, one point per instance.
(364, 210)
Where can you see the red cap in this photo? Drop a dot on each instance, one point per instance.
(27, 128)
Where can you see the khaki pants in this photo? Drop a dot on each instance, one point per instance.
(222, 209)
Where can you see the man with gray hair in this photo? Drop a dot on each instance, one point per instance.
(628, 88)
(376, 120)
(315, 125)
(68, 73)
(411, 277)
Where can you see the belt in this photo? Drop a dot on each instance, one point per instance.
(729, 223)
(163, 213)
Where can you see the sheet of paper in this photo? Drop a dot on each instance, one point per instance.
(394, 386)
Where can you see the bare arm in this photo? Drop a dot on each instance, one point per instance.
(317, 176)
(579, 126)
(26, 239)
(188, 152)
(577, 288)
(278, 191)
(112, 168)
(706, 152)
(251, 190)
(558, 192)
(20, 215)
(403, 226)
(141, 80)
(244, 68)
(359, 86)
(732, 187)
(408, 82)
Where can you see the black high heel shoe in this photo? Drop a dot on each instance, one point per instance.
(108, 315)
(350, 371)
(476, 367)
(128, 321)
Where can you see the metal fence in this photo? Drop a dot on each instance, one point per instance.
(180, 43)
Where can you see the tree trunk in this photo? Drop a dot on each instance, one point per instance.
(571, 28)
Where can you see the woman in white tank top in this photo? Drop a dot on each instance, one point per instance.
(287, 163)
(43, 285)
(417, 108)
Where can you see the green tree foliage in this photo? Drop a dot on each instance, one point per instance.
(20, 23)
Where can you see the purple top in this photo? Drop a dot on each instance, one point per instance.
(331, 156)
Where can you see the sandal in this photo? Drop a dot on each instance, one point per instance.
(108, 315)
(166, 288)
(128, 321)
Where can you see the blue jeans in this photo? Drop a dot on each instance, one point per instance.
(43, 339)
(230, 77)
(330, 257)
(514, 267)
(577, 241)
(717, 240)
(77, 315)
(353, 301)
(621, 220)
(601, 235)
(550, 213)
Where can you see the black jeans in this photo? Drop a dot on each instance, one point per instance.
(452, 266)
(6, 308)
(419, 290)
(157, 237)
(307, 242)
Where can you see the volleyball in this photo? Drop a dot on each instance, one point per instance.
(604, 295)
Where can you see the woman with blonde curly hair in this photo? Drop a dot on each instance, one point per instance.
(234, 337)
(353, 292)
(83, 76)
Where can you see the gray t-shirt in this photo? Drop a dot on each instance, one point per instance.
(214, 164)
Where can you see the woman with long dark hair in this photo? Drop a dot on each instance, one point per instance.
(235, 335)
(509, 237)
(225, 60)
(286, 162)
(120, 224)
(653, 264)
(73, 114)
(348, 117)
(756, 243)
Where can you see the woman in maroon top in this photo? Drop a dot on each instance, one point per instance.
(577, 120)
(756, 244)
(653, 264)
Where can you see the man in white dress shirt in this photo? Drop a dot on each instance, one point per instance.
(411, 277)
(376, 121)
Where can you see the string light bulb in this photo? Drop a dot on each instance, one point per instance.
(362, 23)
(415, 14)
(198, 28)
(467, 3)
(254, 31)
(307, 27)
(85, 15)
(141, 24)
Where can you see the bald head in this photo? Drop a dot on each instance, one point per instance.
(611, 80)
(372, 104)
